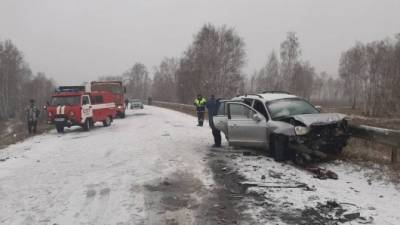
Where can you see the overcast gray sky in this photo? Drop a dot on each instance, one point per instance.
(78, 40)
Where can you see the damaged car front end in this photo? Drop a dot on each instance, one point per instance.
(300, 131)
(316, 136)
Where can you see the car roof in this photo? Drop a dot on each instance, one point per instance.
(267, 97)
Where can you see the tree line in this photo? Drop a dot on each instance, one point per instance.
(212, 64)
(371, 74)
(368, 74)
(18, 84)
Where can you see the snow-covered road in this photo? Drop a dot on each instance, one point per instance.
(156, 167)
(109, 175)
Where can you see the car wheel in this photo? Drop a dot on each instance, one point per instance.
(86, 125)
(280, 148)
(122, 115)
(269, 149)
(107, 121)
(60, 128)
(337, 150)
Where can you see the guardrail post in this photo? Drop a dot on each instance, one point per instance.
(395, 157)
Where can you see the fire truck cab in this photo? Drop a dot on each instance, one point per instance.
(72, 105)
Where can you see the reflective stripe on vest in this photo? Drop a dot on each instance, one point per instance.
(200, 102)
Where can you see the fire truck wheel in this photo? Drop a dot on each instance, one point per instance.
(122, 115)
(60, 128)
(107, 121)
(86, 125)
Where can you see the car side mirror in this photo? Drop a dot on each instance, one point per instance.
(319, 108)
(257, 117)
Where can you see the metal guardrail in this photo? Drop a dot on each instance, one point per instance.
(185, 108)
(383, 136)
(378, 135)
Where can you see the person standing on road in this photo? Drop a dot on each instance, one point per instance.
(212, 106)
(200, 102)
(32, 115)
(126, 103)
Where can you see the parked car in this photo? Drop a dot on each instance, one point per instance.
(287, 126)
(136, 104)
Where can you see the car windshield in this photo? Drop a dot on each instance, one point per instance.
(65, 100)
(290, 107)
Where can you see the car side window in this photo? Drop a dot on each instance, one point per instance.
(259, 106)
(99, 99)
(221, 110)
(240, 111)
(248, 101)
(85, 100)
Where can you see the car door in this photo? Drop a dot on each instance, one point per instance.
(221, 119)
(246, 127)
(87, 111)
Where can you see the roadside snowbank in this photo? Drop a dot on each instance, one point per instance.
(358, 190)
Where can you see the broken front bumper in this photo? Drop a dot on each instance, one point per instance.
(320, 147)
(63, 121)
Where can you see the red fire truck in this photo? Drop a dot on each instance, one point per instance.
(117, 88)
(72, 105)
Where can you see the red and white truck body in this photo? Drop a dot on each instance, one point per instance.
(70, 106)
(117, 89)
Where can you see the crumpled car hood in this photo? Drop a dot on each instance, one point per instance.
(319, 119)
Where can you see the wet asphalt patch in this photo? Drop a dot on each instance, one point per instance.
(174, 200)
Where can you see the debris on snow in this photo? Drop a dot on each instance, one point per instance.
(4, 159)
(322, 174)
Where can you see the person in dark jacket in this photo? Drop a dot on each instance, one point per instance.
(200, 102)
(126, 103)
(32, 115)
(212, 106)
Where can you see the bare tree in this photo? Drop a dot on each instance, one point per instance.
(352, 69)
(16, 80)
(164, 86)
(290, 52)
(372, 76)
(138, 85)
(212, 64)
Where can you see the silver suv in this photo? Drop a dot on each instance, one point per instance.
(287, 126)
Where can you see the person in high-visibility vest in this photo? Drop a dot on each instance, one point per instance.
(200, 103)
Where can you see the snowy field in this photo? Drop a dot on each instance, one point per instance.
(154, 168)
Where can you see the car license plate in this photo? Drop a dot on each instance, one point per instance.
(59, 119)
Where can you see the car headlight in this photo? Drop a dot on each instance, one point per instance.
(300, 130)
(119, 107)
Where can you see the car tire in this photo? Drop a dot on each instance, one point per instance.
(280, 148)
(86, 125)
(60, 128)
(107, 121)
(122, 115)
(269, 148)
